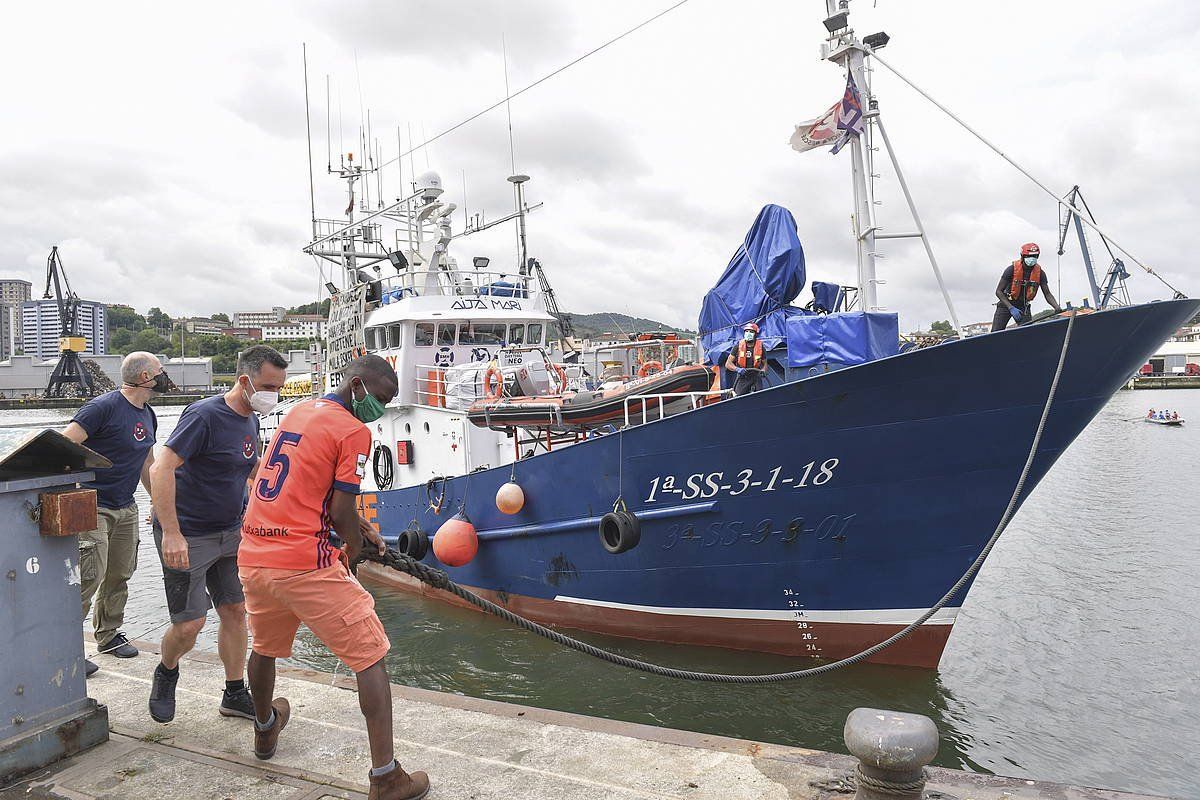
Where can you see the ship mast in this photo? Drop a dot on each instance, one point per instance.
(845, 49)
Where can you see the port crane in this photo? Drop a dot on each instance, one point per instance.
(69, 370)
(1113, 292)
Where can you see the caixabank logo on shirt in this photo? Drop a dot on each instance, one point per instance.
(139, 431)
(248, 447)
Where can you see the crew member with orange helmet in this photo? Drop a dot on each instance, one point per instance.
(1019, 286)
(748, 361)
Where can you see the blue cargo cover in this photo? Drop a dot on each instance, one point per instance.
(841, 340)
(763, 277)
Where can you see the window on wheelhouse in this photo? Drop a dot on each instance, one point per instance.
(445, 334)
(369, 336)
(535, 333)
(393, 335)
(481, 333)
(424, 335)
(516, 334)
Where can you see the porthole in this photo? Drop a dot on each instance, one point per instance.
(407, 428)
(427, 427)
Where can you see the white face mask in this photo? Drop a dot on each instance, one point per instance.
(1030, 260)
(262, 402)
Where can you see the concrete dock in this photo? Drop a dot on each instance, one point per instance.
(477, 749)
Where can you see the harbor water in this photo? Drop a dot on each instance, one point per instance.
(1074, 658)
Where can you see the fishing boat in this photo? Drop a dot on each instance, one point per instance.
(1177, 421)
(815, 517)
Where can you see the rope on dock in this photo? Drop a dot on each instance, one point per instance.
(440, 580)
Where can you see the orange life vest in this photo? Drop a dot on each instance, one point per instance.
(1018, 280)
(743, 361)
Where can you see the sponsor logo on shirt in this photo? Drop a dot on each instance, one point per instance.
(360, 467)
(139, 431)
(262, 530)
(248, 448)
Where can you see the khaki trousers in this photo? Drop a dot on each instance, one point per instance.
(107, 560)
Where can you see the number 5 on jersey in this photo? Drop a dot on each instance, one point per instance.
(268, 488)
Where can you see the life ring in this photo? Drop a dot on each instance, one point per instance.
(493, 383)
(620, 531)
(650, 368)
(413, 542)
(381, 465)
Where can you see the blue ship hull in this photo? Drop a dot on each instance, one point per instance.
(813, 518)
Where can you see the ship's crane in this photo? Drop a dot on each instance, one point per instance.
(69, 369)
(565, 326)
(1113, 292)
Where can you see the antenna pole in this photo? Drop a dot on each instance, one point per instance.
(512, 152)
(312, 198)
(399, 163)
(328, 129)
(518, 182)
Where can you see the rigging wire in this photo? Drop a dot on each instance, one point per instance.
(1022, 170)
(539, 81)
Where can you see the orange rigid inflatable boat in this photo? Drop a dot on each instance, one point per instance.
(581, 409)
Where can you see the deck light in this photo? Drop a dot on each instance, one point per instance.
(481, 262)
(837, 21)
(331, 288)
(877, 41)
(398, 260)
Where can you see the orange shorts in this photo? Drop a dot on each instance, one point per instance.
(330, 601)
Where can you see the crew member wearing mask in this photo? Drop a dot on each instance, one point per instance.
(1018, 287)
(199, 484)
(121, 426)
(748, 361)
(300, 576)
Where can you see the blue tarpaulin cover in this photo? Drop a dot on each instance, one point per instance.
(825, 296)
(852, 337)
(763, 277)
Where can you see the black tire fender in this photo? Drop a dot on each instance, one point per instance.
(413, 542)
(620, 531)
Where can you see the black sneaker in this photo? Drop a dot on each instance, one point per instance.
(237, 703)
(162, 695)
(118, 646)
(89, 668)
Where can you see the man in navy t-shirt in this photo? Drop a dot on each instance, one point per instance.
(121, 426)
(199, 485)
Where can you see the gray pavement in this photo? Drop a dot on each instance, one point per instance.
(471, 748)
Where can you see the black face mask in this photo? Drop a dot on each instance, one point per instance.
(162, 383)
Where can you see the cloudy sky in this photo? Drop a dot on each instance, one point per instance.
(162, 146)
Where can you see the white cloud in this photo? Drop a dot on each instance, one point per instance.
(162, 147)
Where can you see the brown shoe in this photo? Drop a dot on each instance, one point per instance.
(266, 741)
(399, 785)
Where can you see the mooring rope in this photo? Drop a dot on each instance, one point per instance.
(440, 580)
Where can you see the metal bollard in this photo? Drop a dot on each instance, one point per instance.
(892, 750)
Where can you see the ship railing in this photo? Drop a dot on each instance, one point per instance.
(484, 285)
(431, 385)
(632, 355)
(661, 401)
(362, 240)
(430, 379)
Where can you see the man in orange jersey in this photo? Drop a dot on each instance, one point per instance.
(292, 573)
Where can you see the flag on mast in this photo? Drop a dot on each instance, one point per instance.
(850, 114)
(817, 132)
(835, 127)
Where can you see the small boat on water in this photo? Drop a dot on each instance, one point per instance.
(1176, 420)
